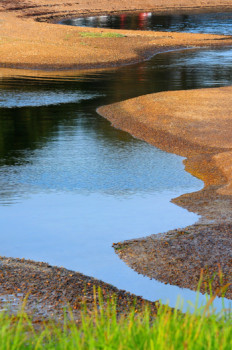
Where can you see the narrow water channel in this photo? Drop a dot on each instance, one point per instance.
(71, 185)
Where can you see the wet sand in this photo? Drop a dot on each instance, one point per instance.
(26, 42)
(195, 124)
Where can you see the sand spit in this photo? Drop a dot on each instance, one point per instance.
(178, 256)
(25, 42)
(195, 124)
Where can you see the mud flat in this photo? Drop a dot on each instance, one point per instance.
(195, 124)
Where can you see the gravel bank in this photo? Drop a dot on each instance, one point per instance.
(50, 289)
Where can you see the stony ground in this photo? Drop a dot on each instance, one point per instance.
(49, 289)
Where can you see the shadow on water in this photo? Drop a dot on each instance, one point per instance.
(74, 185)
(32, 107)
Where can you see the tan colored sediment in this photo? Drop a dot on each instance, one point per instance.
(27, 43)
(196, 124)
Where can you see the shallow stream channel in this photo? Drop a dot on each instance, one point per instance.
(71, 185)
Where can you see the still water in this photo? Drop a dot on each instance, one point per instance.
(71, 185)
(214, 23)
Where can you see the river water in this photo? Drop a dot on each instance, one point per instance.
(71, 185)
(213, 23)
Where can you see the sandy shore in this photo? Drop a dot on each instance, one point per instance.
(32, 44)
(192, 123)
(195, 124)
(28, 40)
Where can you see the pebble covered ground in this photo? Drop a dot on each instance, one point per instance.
(49, 289)
(180, 256)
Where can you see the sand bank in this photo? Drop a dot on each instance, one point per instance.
(25, 42)
(44, 10)
(196, 124)
(191, 123)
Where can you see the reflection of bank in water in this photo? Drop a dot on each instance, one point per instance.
(216, 23)
(75, 185)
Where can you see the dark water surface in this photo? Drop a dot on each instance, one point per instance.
(71, 185)
(214, 23)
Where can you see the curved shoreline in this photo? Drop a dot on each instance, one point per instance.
(49, 46)
(189, 123)
(37, 45)
(195, 124)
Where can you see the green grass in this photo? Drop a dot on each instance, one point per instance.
(101, 35)
(104, 329)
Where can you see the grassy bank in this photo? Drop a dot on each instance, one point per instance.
(105, 329)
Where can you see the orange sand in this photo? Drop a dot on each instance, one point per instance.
(27, 43)
(195, 123)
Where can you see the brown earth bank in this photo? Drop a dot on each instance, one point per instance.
(27, 43)
(50, 288)
(196, 124)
